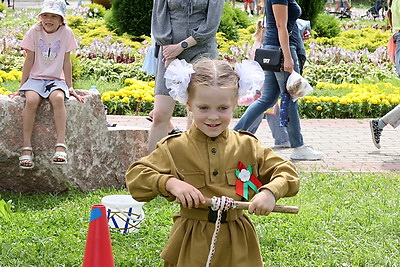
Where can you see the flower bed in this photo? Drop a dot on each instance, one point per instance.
(136, 98)
(351, 74)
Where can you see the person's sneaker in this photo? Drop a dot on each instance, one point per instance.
(283, 145)
(175, 131)
(376, 132)
(305, 152)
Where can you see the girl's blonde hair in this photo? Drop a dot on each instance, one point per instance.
(213, 73)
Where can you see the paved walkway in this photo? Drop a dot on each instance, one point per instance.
(346, 143)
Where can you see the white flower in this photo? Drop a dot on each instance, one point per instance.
(251, 77)
(244, 175)
(177, 78)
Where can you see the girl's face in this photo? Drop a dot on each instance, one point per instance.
(51, 22)
(212, 109)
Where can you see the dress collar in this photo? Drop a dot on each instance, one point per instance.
(195, 133)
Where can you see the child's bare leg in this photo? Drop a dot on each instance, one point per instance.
(32, 101)
(170, 125)
(162, 113)
(60, 116)
(28, 121)
(337, 8)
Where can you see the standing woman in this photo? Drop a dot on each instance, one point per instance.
(281, 16)
(184, 29)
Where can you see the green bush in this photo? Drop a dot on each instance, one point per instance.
(311, 9)
(241, 18)
(76, 67)
(95, 11)
(75, 22)
(109, 20)
(131, 16)
(326, 26)
(2, 7)
(108, 70)
(232, 20)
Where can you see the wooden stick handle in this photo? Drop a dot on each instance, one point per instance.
(245, 206)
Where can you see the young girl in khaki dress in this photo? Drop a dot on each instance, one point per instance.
(204, 162)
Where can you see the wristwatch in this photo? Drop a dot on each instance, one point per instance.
(184, 45)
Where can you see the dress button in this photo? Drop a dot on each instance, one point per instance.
(213, 150)
(213, 138)
(215, 172)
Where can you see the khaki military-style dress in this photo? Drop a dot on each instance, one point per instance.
(210, 164)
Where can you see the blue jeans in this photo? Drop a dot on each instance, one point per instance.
(274, 85)
(279, 134)
(397, 55)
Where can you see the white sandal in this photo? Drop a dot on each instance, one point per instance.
(59, 155)
(26, 159)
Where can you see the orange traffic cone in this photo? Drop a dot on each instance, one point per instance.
(98, 251)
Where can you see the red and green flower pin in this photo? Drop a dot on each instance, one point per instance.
(246, 179)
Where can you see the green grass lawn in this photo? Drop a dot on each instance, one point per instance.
(344, 220)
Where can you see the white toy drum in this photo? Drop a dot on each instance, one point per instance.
(123, 213)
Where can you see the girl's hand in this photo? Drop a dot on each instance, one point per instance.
(262, 203)
(14, 94)
(168, 61)
(306, 35)
(74, 94)
(188, 195)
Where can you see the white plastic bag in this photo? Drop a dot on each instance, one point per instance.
(297, 86)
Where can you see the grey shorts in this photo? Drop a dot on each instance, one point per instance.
(45, 87)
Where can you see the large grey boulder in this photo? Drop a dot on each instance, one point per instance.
(98, 156)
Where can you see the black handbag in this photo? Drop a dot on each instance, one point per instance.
(269, 59)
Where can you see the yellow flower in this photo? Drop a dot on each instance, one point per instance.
(373, 101)
(105, 97)
(148, 98)
(125, 100)
(129, 80)
(335, 99)
(319, 108)
(116, 98)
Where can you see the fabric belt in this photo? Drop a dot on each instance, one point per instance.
(210, 215)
